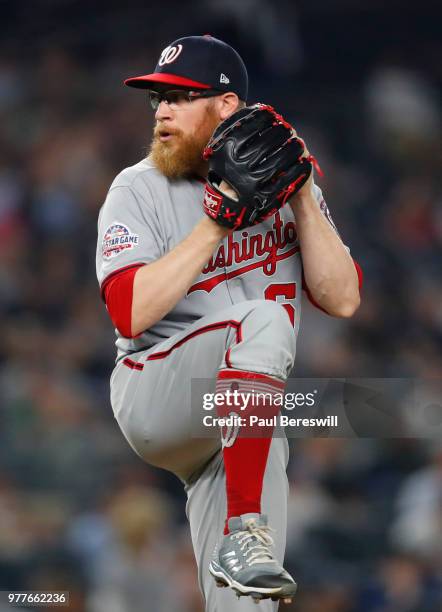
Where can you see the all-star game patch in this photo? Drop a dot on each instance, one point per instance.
(118, 238)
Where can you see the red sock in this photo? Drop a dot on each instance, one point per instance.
(245, 463)
(246, 459)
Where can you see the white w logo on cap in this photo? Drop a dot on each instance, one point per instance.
(169, 55)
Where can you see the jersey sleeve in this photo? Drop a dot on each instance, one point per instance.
(325, 211)
(324, 208)
(129, 234)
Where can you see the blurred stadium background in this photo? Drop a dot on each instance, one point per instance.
(78, 510)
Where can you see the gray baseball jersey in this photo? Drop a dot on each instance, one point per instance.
(231, 306)
(145, 216)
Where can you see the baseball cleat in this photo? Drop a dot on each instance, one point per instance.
(245, 562)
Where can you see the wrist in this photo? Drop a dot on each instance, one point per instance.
(303, 200)
(212, 230)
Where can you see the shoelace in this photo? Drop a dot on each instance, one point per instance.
(257, 541)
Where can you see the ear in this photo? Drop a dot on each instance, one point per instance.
(227, 104)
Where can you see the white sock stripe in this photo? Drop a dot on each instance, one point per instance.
(252, 384)
(248, 384)
(256, 390)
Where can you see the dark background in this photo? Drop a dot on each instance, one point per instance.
(78, 510)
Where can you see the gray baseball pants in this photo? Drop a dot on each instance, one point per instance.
(152, 403)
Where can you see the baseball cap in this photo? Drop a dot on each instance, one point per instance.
(198, 62)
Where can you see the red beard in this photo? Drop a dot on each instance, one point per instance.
(181, 155)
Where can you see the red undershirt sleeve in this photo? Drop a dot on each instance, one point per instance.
(118, 295)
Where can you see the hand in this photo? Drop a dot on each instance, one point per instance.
(239, 195)
(227, 190)
(306, 189)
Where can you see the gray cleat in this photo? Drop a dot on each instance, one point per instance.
(244, 561)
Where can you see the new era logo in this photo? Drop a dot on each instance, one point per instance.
(224, 79)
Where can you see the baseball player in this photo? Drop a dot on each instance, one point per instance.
(203, 250)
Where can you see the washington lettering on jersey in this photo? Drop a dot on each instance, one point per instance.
(145, 216)
(269, 247)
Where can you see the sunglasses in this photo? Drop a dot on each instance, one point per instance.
(179, 98)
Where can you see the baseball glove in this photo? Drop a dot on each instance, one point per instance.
(255, 151)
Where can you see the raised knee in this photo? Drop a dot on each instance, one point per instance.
(268, 340)
(272, 327)
(274, 315)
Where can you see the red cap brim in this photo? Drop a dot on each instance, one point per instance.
(144, 82)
